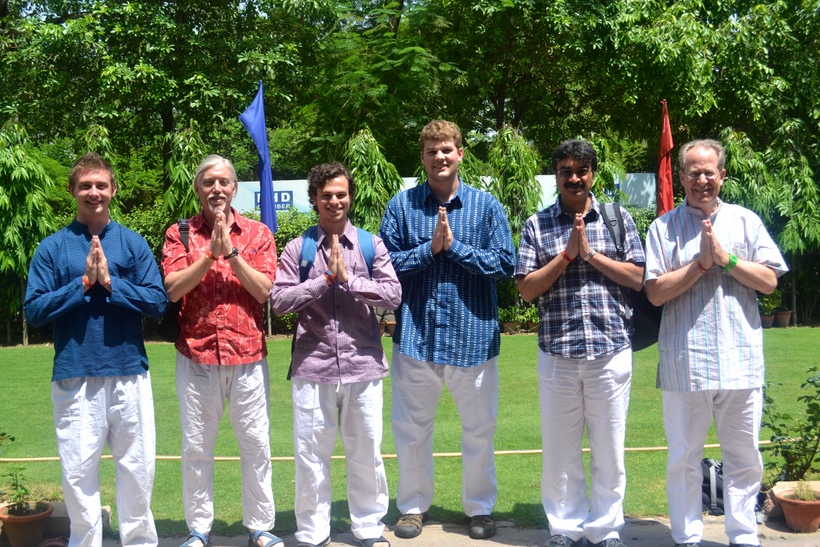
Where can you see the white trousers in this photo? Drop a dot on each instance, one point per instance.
(202, 391)
(417, 387)
(686, 418)
(355, 411)
(88, 413)
(575, 393)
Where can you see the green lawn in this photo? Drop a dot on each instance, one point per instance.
(25, 412)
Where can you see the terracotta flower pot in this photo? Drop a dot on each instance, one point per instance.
(782, 318)
(767, 321)
(26, 530)
(801, 516)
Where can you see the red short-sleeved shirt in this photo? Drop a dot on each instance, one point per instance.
(221, 323)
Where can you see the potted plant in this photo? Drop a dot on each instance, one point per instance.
(782, 317)
(795, 447)
(768, 303)
(510, 319)
(23, 521)
(801, 507)
(531, 318)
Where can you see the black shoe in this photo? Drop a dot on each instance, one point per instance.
(409, 525)
(559, 540)
(482, 527)
(693, 544)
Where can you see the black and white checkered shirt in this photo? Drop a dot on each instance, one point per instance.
(584, 315)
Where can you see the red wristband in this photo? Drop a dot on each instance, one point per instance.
(87, 283)
(209, 254)
(566, 256)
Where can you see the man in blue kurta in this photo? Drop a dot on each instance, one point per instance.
(449, 243)
(94, 280)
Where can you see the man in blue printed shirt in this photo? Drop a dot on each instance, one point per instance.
(448, 243)
(94, 280)
(705, 260)
(568, 261)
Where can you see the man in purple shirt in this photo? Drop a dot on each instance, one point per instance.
(338, 362)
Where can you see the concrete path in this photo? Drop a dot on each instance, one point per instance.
(637, 533)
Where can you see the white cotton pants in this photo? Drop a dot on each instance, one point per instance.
(417, 387)
(575, 393)
(686, 418)
(88, 413)
(202, 391)
(355, 411)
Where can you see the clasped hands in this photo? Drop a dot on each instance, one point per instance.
(442, 234)
(336, 264)
(221, 244)
(578, 243)
(96, 267)
(711, 251)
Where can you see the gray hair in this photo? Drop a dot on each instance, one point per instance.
(702, 143)
(212, 161)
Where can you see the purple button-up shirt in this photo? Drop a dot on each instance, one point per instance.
(338, 337)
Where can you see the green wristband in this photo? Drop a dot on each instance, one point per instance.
(732, 263)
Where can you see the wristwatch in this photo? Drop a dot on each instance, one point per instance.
(589, 255)
(234, 252)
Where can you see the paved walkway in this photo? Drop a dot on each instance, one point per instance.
(637, 533)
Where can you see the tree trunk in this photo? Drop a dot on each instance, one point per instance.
(22, 312)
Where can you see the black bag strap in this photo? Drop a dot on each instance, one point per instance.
(184, 229)
(614, 221)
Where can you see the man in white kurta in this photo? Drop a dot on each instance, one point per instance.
(704, 261)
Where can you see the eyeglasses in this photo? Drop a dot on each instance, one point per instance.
(695, 175)
(580, 173)
(224, 183)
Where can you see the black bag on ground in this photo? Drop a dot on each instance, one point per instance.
(646, 317)
(712, 486)
(168, 328)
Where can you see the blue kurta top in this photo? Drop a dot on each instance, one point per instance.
(96, 333)
(449, 309)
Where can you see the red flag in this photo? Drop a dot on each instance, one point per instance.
(666, 200)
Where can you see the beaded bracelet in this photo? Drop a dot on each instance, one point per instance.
(330, 277)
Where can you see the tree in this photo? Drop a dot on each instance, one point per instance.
(377, 180)
(25, 215)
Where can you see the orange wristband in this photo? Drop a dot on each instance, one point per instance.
(209, 254)
(87, 283)
(566, 256)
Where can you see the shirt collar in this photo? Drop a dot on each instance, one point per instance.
(346, 238)
(454, 203)
(594, 205)
(240, 223)
(694, 211)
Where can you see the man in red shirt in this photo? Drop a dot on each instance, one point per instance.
(224, 277)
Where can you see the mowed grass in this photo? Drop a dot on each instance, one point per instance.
(26, 413)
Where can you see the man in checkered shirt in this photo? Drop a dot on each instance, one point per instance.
(568, 262)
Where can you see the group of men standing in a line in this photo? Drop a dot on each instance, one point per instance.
(441, 247)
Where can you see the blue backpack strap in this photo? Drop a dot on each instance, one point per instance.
(367, 248)
(308, 255)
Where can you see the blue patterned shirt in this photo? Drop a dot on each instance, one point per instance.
(449, 308)
(584, 315)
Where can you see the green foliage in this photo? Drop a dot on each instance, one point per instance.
(471, 169)
(292, 224)
(804, 492)
(769, 303)
(510, 314)
(18, 493)
(187, 151)
(151, 222)
(643, 217)
(377, 180)
(513, 166)
(795, 438)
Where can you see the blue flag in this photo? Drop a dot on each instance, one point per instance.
(254, 121)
